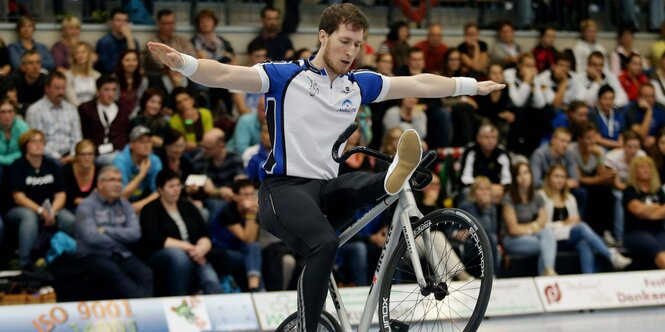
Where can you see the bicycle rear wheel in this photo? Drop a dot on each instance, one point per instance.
(327, 323)
(444, 305)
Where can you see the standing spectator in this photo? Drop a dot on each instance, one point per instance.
(545, 52)
(278, 45)
(645, 116)
(115, 42)
(434, 48)
(103, 122)
(586, 45)
(56, 118)
(474, 52)
(236, 230)
(26, 85)
(81, 76)
(132, 82)
(166, 26)
(150, 115)
(397, 43)
(589, 81)
(505, 50)
(176, 241)
(191, 121)
(485, 157)
(38, 195)
(11, 129)
(557, 82)
(524, 215)
(62, 51)
(139, 167)
(207, 44)
(25, 28)
(106, 227)
(609, 119)
(633, 77)
(620, 56)
(644, 201)
(80, 174)
(563, 219)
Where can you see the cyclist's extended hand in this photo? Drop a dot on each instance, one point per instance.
(486, 87)
(166, 55)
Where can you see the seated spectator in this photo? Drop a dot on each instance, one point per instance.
(479, 203)
(279, 46)
(207, 44)
(166, 26)
(442, 113)
(106, 227)
(115, 42)
(563, 218)
(151, 116)
(408, 115)
(166, 80)
(589, 81)
(358, 161)
(254, 169)
(575, 116)
(620, 56)
(80, 174)
(588, 44)
(25, 85)
(505, 50)
(658, 79)
(496, 106)
(384, 65)
(618, 161)
(544, 52)
(247, 132)
(25, 28)
(190, 121)
(131, 79)
(633, 77)
(475, 59)
(524, 215)
(609, 119)
(557, 82)
(657, 153)
(644, 202)
(236, 230)
(245, 102)
(645, 116)
(56, 118)
(37, 187)
(434, 48)
(485, 157)
(62, 51)
(397, 43)
(80, 75)
(139, 167)
(103, 122)
(11, 128)
(176, 241)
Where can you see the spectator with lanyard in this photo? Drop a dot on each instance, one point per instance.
(302, 200)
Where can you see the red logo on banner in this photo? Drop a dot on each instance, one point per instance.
(553, 293)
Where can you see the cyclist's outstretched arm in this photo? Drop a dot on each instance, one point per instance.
(435, 86)
(209, 72)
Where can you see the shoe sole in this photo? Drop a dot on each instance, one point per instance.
(408, 155)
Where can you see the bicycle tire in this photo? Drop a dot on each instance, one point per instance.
(404, 306)
(327, 323)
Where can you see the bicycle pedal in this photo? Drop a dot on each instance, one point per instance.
(398, 326)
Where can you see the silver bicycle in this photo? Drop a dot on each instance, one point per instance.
(413, 287)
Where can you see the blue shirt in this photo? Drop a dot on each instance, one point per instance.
(306, 112)
(254, 169)
(246, 133)
(542, 159)
(635, 115)
(16, 51)
(109, 49)
(123, 161)
(609, 127)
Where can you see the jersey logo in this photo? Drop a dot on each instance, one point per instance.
(347, 107)
(313, 87)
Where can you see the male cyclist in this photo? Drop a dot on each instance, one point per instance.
(309, 102)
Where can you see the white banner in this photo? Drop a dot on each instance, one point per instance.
(602, 290)
(272, 308)
(516, 296)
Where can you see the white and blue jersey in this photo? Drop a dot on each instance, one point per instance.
(306, 112)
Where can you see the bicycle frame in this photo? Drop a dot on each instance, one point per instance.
(406, 210)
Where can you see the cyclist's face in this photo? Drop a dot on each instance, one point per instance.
(340, 48)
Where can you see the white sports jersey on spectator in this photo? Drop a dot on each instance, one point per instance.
(306, 112)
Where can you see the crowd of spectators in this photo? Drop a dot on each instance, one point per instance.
(155, 176)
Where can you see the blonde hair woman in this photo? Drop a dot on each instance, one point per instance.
(562, 217)
(62, 50)
(644, 202)
(81, 78)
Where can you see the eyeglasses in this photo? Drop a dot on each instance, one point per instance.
(113, 179)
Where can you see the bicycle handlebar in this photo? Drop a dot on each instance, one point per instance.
(423, 173)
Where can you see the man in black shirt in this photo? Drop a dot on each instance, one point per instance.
(279, 46)
(26, 85)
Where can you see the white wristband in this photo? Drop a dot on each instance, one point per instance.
(465, 86)
(191, 64)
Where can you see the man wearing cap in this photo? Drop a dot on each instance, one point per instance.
(139, 168)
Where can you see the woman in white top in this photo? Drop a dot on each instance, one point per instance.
(563, 218)
(81, 78)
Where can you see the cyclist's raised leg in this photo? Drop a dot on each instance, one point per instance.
(290, 209)
(344, 196)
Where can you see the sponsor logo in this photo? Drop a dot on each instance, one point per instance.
(313, 88)
(347, 107)
(422, 227)
(346, 89)
(553, 293)
(39, 180)
(384, 315)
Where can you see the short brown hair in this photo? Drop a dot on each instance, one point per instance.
(26, 137)
(205, 13)
(343, 13)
